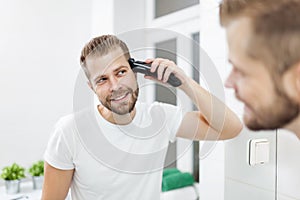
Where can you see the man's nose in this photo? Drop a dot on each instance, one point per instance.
(229, 83)
(114, 84)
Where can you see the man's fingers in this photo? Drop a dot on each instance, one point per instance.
(167, 74)
(149, 60)
(160, 71)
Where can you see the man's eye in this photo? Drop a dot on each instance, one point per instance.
(101, 80)
(121, 72)
(238, 72)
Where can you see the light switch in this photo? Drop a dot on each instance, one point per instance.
(259, 152)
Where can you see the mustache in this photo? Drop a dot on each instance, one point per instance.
(243, 101)
(237, 96)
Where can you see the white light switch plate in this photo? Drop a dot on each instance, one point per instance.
(259, 151)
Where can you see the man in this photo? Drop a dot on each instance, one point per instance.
(130, 131)
(264, 45)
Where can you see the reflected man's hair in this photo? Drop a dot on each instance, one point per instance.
(100, 46)
(275, 26)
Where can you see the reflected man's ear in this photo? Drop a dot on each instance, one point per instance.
(90, 85)
(298, 80)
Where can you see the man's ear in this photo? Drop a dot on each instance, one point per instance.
(291, 82)
(297, 75)
(90, 85)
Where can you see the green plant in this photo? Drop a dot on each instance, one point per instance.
(13, 172)
(37, 169)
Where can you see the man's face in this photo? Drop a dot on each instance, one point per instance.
(113, 81)
(266, 104)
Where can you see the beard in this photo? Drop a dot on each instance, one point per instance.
(280, 113)
(124, 107)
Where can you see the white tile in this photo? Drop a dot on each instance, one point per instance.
(239, 191)
(283, 197)
(288, 164)
(237, 160)
(212, 172)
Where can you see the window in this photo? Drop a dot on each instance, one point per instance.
(164, 7)
(167, 49)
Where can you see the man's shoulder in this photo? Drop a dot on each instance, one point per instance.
(70, 120)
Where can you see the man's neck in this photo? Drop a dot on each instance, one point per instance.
(115, 118)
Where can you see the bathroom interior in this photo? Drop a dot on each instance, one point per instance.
(40, 44)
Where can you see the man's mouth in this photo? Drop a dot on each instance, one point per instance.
(247, 110)
(120, 97)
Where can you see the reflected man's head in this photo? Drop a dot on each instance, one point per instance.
(105, 62)
(264, 45)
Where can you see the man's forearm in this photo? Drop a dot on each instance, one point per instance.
(214, 111)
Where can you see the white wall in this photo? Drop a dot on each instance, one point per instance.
(212, 174)
(40, 44)
(102, 17)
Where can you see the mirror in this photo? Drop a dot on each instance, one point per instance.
(39, 66)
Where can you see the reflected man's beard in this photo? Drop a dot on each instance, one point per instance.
(277, 115)
(123, 107)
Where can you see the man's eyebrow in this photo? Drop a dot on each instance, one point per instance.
(229, 60)
(237, 67)
(98, 77)
(120, 67)
(232, 63)
(115, 70)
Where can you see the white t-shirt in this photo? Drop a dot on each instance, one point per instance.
(114, 162)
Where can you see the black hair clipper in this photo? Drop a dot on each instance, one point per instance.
(144, 68)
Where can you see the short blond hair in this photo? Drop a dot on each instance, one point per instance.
(275, 25)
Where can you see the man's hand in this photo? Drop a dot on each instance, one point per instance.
(164, 69)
